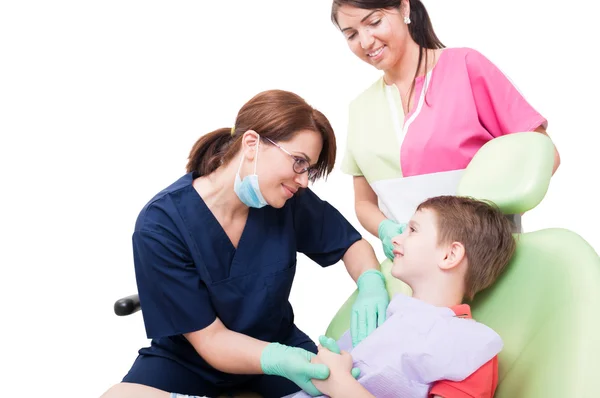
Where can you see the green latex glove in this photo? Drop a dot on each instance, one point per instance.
(332, 346)
(387, 230)
(294, 364)
(369, 309)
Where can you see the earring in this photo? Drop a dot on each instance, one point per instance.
(407, 20)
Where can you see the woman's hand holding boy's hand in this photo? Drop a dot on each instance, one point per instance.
(341, 373)
(340, 366)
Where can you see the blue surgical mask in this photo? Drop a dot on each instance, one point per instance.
(247, 189)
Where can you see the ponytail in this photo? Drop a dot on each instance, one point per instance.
(421, 28)
(211, 151)
(275, 115)
(421, 31)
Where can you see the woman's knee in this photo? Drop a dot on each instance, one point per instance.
(132, 390)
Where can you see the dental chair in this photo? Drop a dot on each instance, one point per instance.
(544, 304)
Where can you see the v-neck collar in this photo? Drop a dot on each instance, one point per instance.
(216, 229)
(213, 242)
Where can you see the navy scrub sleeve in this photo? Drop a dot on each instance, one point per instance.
(322, 233)
(175, 299)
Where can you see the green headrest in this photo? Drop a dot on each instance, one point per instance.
(513, 171)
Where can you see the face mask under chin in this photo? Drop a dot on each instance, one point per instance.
(248, 190)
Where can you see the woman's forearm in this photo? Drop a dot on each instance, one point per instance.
(359, 258)
(228, 351)
(233, 352)
(369, 216)
(542, 129)
(366, 206)
(556, 161)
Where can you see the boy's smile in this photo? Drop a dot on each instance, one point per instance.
(416, 250)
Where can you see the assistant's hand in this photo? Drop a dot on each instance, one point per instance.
(369, 309)
(294, 364)
(387, 230)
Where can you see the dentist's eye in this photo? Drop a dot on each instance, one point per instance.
(412, 229)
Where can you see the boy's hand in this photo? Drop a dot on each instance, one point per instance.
(340, 368)
(331, 345)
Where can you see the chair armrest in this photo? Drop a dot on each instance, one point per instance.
(127, 305)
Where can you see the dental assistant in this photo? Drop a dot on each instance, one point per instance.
(215, 258)
(412, 133)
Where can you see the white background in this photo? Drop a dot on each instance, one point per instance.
(101, 101)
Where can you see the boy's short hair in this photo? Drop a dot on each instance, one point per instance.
(484, 231)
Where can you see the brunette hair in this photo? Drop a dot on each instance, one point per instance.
(275, 114)
(484, 231)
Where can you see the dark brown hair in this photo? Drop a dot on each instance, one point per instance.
(484, 231)
(420, 29)
(274, 114)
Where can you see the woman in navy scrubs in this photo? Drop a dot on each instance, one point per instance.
(215, 258)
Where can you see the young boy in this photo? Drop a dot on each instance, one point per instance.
(452, 248)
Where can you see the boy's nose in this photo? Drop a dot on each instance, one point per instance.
(398, 239)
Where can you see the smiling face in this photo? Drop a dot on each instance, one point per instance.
(277, 179)
(379, 37)
(417, 252)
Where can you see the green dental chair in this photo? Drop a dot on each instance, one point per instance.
(546, 304)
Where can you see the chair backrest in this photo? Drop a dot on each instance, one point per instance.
(545, 308)
(513, 171)
(545, 305)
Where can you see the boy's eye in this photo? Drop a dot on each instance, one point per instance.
(375, 23)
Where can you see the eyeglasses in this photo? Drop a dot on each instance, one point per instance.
(301, 165)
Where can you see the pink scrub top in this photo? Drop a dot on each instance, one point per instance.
(462, 103)
(468, 102)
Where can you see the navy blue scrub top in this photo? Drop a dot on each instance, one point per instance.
(188, 272)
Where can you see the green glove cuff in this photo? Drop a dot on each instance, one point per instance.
(370, 279)
(267, 365)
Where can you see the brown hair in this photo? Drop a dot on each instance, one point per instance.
(274, 114)
(420, 28)
(484, 231)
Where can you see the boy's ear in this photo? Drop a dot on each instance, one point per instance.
(455, 253)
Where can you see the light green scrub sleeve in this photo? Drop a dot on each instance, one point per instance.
(349, 165)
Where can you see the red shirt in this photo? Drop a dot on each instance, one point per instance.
(481, 384)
